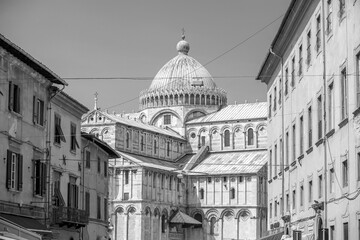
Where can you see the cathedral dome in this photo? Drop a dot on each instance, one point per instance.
(180, 78)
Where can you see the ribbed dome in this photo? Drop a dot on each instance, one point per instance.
(182, 81)
(181, 72)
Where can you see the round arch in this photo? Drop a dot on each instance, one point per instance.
(162, 112)
(192, 112)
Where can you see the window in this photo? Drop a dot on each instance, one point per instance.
(344, 94)
(199, 218)
(358, 166)
(275, 208)
(170, 182)
(275, 160)
(308, 50)
(270, 102)
(346, 231)
(293, 72)
(87, 203)
(98, 215)
(142, 143)
(332, 178)
(280, 90)
(203, 140)
(59, 135)
(98, 164)
(320, 182)
(155, 146)
(345, 172)
(201, 193)
(287, 148)
(14, 171)
(309, 127)
(87, 159)
(227, 138)
(126, 176)
(286, 81)
(232, 193)
(300, 70)
(105, 209)
(167, 119)
(39, 178)
(271, 209)
(73, 193)
(341, 8)
(294, 143)
(57, 199)
(294, 199)
(270, 163)
(319, 106)
(105, 168)
(127, 140)
(318, 33)
(212, 226)
(287, 202)
(330, 107)
(275, 93)
(168, 149)
(301, 134)
(162, 181)
(241, 179)
(209, 179)
(332, 232)
(126, 196)
(73, 142)
(310, 191)
(250, 136)
(38, 111)
(301, 195)
(14, 97)
(163, 223)
(329, 17)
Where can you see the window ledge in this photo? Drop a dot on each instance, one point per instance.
(18, 115)
(15, 191)
(309, 150)
(330, 133)
(301, 157)
(73, 152)
(356, 112)
(320, 141)
(343, 122)
(287, 168)
(293, 163)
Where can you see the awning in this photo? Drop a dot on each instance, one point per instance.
(28, 223)
(276, 236)
(184, 219)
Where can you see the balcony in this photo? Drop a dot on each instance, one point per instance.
(71, 217)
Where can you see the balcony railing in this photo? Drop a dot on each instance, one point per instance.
(69, 216)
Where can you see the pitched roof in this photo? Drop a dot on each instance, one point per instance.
(235, 112)
(232, 162)
(139, 124)
(149, 161)
(103, 145)
(182, 218)
(30, 61)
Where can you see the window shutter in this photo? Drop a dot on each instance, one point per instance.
(11, 97)
(76, 196)
(69, 195)
(8, 170)
(43, 179)
(18, 100)
(20, 172)
(42, 106)
(34, 176)
(34, 110)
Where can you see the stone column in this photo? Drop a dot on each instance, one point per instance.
(244, 139)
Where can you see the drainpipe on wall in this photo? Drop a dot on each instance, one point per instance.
(282, 133)
(324, 117)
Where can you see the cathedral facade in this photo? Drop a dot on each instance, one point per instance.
(191, 166)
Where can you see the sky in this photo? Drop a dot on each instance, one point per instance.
(96, 39)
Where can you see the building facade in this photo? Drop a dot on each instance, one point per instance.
(190, 166)
(312, 75)
(25, 95)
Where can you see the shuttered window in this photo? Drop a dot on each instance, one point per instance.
(14, 171)
(39, 177)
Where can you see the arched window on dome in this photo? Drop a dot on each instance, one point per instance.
(176, 99)
(127, 139)
(156, 101)
(161, 101)
(166, 103)
(186, 98)
(197, 99)
(171, 100)
(155, 146)
(207, 100)
(212, 100)
(226, 138)
(250, 137)
(192, 99)
(202, 99)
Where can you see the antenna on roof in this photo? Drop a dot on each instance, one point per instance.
(235, 102)
(245, 100)
(257, 100)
